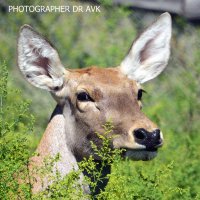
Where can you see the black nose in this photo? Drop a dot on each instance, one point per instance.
(151, 140)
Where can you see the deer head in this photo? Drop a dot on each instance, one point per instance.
(90, 97)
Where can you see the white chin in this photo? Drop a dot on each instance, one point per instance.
(140, 154)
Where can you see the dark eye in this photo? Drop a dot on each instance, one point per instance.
(140, 92)
(84, 96)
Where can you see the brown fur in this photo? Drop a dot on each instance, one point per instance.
(109, 94)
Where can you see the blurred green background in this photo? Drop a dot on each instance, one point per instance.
(172, 100)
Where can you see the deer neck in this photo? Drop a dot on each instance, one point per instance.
(56, 141)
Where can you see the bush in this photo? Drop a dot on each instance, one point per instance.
(71, 187)
(15, 132)
(173, 175)
(172, 102)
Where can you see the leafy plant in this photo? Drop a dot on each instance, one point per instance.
(15, 124)
(103, 39)
(72, 186)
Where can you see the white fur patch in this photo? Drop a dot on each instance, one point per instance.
(149, 54)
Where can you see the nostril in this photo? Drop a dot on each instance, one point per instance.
(140, 134)
(156, 134)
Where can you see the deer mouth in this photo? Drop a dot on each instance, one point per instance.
(140, 154)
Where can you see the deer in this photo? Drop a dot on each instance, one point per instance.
(86, 98)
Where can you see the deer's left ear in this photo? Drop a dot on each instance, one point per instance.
(149, 54)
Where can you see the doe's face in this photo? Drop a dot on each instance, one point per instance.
(98, 95)
(93, 95)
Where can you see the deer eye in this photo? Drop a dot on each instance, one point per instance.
(140, 92)
(84, 96)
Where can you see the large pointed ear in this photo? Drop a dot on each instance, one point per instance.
(149, 54)
(39, 61)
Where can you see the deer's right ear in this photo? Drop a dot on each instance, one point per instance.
(39, 61)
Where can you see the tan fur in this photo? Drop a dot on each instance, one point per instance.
(112, 94)
(116, 96)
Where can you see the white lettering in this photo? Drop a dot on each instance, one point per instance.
(98, 9)
(77, 9)
(31, 9)
(42, 8)
(61, 9)
(92, 9)
(20, 8)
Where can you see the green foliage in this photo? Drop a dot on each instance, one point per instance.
(68, 187)
(71, 186)
(81, 39)
(15, 123)
(103, 39)
(180, 125)
(170, 176)
(106, 154)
